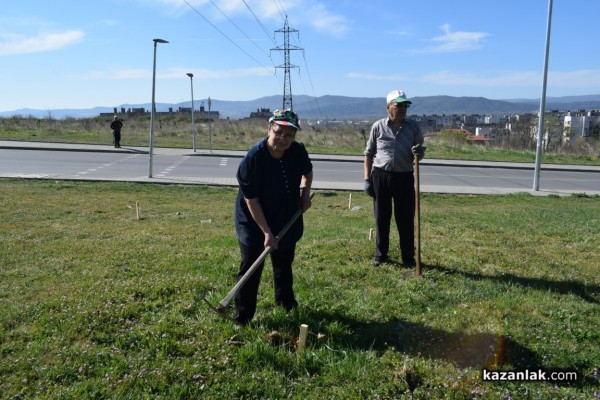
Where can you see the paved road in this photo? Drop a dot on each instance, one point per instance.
(332, 172)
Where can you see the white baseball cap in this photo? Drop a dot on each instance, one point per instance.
(397, 96)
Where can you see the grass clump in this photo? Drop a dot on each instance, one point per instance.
(95, 303)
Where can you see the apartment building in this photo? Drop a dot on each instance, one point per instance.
(581, 124)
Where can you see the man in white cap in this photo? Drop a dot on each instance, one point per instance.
(393, 143)
(274, 179)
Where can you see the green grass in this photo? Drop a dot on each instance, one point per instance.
(241, 135)
(95, 303)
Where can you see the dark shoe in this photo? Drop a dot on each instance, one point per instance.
(409, 264)
(288, 307)
(239, 324)
(377, 262)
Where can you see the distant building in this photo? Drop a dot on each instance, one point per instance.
(581, 124)
(261, 113)
(201, 114)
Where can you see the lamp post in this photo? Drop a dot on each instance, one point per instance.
(209, 127)
(193, 127)
(540, 138)
(151, 149)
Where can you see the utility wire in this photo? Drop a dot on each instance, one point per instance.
(312, 87)
(227, 37)
(260, 23)
(238, 28)
(318, 108)
(283, 14)
(281, 10)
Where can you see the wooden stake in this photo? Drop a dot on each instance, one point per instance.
(138, 211)
(371, 234)
(303, 335)
(418, 215)
(350, 201)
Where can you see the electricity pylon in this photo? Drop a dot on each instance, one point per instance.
(286, 48)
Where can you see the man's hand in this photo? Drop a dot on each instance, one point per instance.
(369, 189)
(305, 200)
(419, 151)
(270, 240)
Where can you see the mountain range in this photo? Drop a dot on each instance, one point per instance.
(342, 108)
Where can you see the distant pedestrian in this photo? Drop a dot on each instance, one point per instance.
(116, 126)
(274, 178)
(393, 143)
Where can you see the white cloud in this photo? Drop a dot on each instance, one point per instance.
(120, 74)
(177, 73)
(501, 78)
(451, 42)
(310, 12)
(323, 20)
(398, 33)
(18, 44)
(218, 74)
(586, 78)
(569, 79)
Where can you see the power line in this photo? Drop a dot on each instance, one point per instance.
(311, 86)
(259, 23)
(227, 37)
(287, 97)
(238, 28)
(281, 10)
(318, 108)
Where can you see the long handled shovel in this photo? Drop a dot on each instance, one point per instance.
(221, 308)
(418, 215)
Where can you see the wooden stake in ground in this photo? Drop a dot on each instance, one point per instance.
(418, 215)
(138, 211)
(303, 335)
(350, 201)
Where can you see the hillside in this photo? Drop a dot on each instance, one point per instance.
(342, 107)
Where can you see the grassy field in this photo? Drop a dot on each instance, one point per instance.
(241, 135)
(95, 303)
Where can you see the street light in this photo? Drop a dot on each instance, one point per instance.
(209, 127)
(151, 150)
(538, 150)
(193, 128)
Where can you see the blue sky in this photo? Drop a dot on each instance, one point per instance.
(81, 54)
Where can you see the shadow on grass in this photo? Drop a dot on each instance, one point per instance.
(586, 292)
(475, 351)
(462, 349)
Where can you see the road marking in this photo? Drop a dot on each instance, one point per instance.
(170, 168)
(107, 165)
(223, 162)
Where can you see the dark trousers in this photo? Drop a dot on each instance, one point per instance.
(281, 260)
(117, 138)
(397, 189)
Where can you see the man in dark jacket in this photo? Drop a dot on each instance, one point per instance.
(116, 126)
(274, 178)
